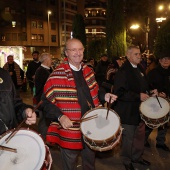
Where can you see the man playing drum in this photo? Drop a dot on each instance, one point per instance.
(72, 88)
(131, 87)
(12, 109)
(160, 78)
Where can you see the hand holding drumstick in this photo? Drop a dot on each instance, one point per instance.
(78, 121)
(30, 119)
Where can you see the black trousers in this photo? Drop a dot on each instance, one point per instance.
(69, 158)
(161, 134)
(132, 142)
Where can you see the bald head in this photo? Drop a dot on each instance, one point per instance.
(74, 51)
(45, 59)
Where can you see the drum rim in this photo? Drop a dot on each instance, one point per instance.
(111, 137)
(153, 118)
(27, 129)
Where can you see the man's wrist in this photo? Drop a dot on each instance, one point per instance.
(59, 117)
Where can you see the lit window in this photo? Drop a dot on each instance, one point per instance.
(93, 31)
(40, 24)
(34, 24)
(40, 37)
(34, 37)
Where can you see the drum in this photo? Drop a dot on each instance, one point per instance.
(31, 154)
(101, 134)
(153, 114)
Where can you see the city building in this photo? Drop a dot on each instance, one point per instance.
(95, 19)
(29, 25)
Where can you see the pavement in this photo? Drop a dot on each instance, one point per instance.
(110, 160)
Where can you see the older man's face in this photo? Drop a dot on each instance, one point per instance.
(74, 52)
(134, 56)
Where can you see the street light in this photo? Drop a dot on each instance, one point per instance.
(49, 13)
(145, 30)
(163, 10)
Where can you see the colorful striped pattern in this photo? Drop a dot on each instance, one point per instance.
(17, 70)
(60, 89)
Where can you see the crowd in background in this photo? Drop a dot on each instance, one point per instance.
(110, 75)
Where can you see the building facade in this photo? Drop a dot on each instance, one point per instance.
(42, 25)
(95, 19)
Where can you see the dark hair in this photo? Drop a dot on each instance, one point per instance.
(103, 55)
(152, 58)
(10, 56)
(90, 59)
(35, 52)
(114, 62)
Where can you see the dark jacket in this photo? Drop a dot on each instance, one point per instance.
(32, 67)
(101, 71)
(41, 76)
(11, 107)
(128, 87)
(159, 78)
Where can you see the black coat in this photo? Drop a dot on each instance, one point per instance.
(159, 78)
(128, 88)
(32, 67)
(11, 106)
(41, 76)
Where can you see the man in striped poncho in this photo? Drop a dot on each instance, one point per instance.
(72, 88)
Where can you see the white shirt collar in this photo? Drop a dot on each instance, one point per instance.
(36, 61)
(75, 68)
(45, 66)
(134, 66)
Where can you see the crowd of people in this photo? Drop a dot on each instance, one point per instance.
(74, 87)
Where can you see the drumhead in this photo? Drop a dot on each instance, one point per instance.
(151, 108)
(99, 129)
(30, 151)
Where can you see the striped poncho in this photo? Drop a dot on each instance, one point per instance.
(60, 89)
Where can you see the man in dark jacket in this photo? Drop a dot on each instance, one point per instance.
(41, 76)
(160, 78)
(131, 86)
(12, 109)
(32, 67)
(16, 73)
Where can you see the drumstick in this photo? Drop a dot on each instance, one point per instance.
(8, 149)
(81, 120)
(158, 101)
(108, 107)
(85, 119)
(19, 126)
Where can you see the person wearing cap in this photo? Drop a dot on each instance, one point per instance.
(159, 78)
(101, 68)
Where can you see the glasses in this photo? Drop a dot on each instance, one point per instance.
(165, 58)
(74, 50)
